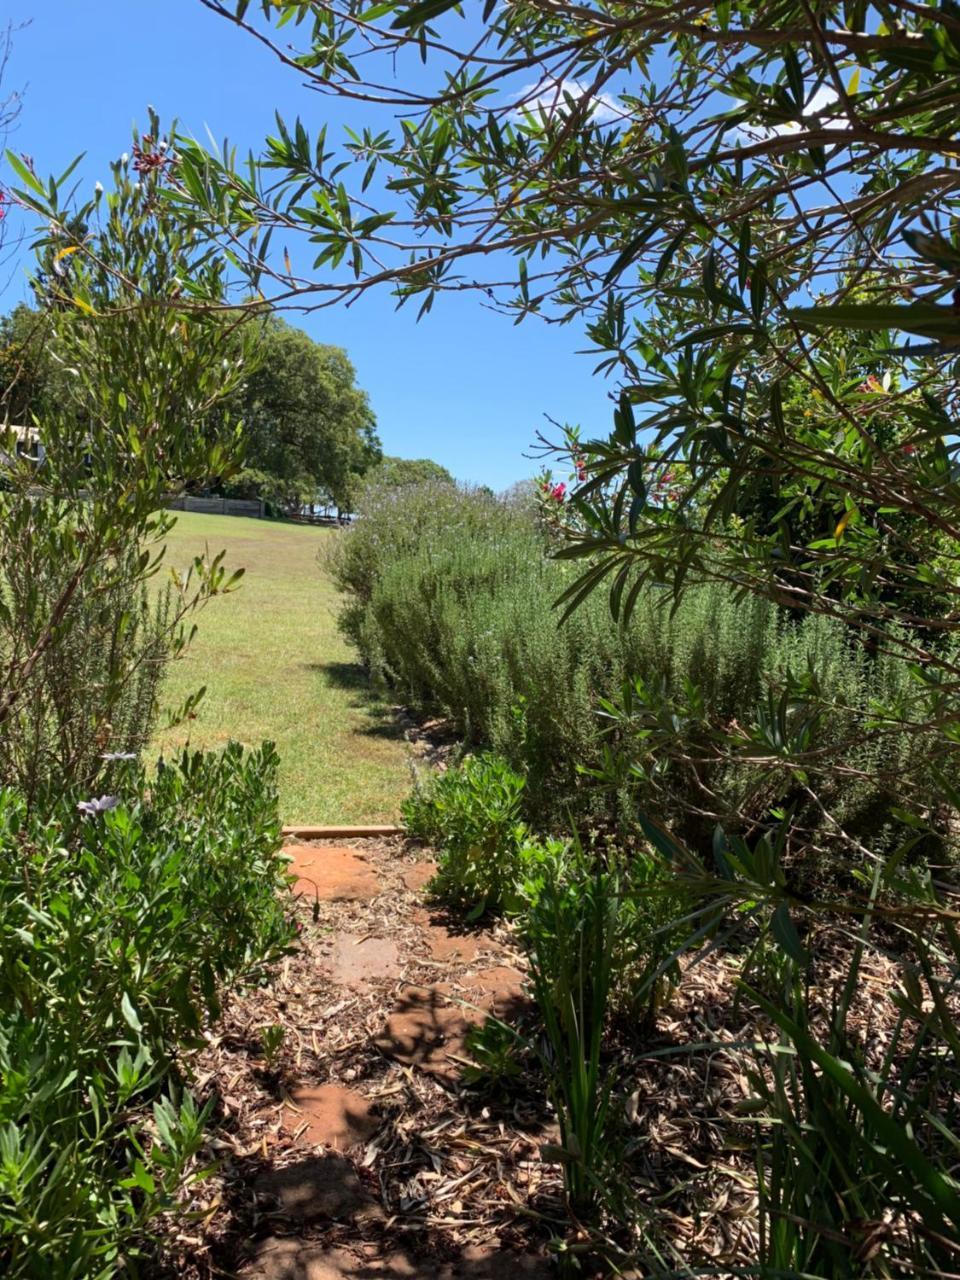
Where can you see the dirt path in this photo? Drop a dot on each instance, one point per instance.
(356, 1151)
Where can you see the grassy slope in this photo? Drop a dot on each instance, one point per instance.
(275, 667)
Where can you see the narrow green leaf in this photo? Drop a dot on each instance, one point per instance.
(423, 12)
(928, 319)
(25, 174)
(130, 1014)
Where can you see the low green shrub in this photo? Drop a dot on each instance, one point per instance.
(646, 933)
(471, 815)
(450, 598)
(120, 924)
(95, 687)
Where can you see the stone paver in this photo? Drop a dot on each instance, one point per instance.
(331, 873)
(417, 875)
(335, 1116)
(321, 1187)
(425, 1030)
(355, 961)
(498, 990)
(446, 944)
(428, 1029)
(490, 1262)
(285, 1259)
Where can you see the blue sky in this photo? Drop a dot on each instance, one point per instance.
(464, 386)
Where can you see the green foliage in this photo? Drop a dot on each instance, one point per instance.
(307, 428)
(118, 930)
(612, 152)
(396, 521)
(840, 1145)
(134, 362)
(744, 205)
(570, 928)
(26, 373)
(651, 934)
(271, 1039)
(856, 1150)
(450, 596)
(647, 937)
(471, 815)
(96, 689)
(855, 1120)
(127, 906)
(495, 1055)
(394, 473)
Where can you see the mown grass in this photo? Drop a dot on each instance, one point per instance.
(276, 667)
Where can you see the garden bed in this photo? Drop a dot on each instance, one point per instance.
(356, 1150)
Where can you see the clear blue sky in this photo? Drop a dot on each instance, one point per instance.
(464, 386)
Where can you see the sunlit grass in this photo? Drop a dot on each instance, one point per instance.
(276, 667)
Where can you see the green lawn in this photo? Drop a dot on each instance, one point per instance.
(276, 667)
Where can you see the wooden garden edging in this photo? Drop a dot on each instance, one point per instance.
(307, 832)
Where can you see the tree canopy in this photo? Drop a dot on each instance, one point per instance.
(395, 473)
(309, 430)
(25, 371)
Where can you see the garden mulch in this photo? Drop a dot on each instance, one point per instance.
(355, 1151)
(358, 1151)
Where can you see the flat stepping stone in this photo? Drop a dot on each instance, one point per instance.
(490, 1262)
(498, 991)
(286, 1259)
(335, 1116)
(356, 960)
(317, 1188)
(444, 944)
(418, 874)
(332, 874)
(283, 1258)
(424, 1030)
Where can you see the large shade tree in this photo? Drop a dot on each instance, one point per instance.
(309, 429)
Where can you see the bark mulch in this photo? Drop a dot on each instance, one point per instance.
(357, 1150)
